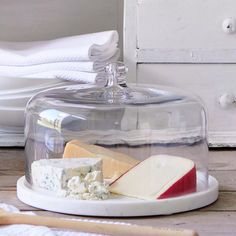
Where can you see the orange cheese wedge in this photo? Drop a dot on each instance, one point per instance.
(114, 163)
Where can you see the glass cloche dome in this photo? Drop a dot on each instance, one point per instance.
(95, 142)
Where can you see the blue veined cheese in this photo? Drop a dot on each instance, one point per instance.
(54, 174)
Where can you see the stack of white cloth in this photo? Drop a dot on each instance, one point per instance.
(27, 68)
(76, 58)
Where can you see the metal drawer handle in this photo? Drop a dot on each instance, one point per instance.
(227, 100)
(229, 25)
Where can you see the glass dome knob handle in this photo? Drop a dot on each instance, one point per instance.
(116, 73)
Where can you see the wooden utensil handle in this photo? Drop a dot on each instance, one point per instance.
(95, 227)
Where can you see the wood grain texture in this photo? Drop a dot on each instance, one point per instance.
(222, 160)
(206, 220)
(12, 159)
(206, 223)
(227, 179)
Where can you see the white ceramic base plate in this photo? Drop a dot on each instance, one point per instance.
(117, 205)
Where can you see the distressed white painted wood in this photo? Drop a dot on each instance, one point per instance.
(222, 139)
(130, 38)
(210, 82)
(186, 55)
(168, 35)
(179, 32)
(188, 24)
(12, 140)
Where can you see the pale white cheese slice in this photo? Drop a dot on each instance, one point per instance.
(157, 177)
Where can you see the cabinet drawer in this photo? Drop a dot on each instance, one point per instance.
(210, 82)
(186, 24)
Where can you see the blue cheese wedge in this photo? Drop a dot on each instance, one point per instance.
(54, 174)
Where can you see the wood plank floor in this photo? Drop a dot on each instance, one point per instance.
(216, 219)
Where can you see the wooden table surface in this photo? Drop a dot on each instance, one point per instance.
(216, 219)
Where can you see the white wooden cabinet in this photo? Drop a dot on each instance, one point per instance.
(190, 44)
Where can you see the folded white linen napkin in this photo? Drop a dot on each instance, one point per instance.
(89, 47)
(78, 76)
(30, 230)
(84, 66)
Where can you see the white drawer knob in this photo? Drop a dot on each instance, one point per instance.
(227, 100)
(228, 25)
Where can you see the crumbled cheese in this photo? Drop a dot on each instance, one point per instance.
(99, 189)
(88, 189)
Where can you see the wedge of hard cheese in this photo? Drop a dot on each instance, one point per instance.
(157, 177)
(114, 163)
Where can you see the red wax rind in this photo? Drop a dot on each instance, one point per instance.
(186, 184)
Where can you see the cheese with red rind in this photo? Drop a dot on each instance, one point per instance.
(157, 177)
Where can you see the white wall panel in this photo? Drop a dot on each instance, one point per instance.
(22, 20)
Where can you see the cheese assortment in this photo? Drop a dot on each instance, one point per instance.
(77, 178)
(158, 177)
(114, 163)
